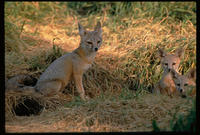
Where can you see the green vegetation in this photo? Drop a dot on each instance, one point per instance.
(182, 123)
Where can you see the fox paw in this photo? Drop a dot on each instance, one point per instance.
(85, 98)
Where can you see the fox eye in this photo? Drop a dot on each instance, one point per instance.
(166, 64)
(178, 84)
(89, 42)
(98, 42)
(186, 84)
(173, 63)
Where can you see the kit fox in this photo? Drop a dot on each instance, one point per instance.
(183, 82)
(71, 65)
(168, 61)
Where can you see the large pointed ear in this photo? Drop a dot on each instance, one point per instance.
(192, 74)
(161, 53)
(179, 52)
(98, 28)
(174, 74)
(82, 31)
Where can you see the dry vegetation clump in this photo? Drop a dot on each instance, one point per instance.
(132, 52)
(96, 81)
(34, 102)
(12, 99)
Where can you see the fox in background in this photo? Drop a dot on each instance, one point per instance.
(184, 82)
(168, 62)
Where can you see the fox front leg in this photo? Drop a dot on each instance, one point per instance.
(79, 86)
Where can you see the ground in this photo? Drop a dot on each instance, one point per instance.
(102, 115)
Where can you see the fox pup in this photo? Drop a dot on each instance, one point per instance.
(183, 81)
(71, 65)
(168, 61)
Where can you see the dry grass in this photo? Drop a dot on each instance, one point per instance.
(100, 115)
(14, 98)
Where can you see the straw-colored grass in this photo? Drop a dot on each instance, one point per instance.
(105, 115)
(14, 98)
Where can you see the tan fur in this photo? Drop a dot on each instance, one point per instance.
(166, 86)
(71, 65)
(168, 61)
(183, 82)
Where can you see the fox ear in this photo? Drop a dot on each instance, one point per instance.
(161, 52)
(192, 74)
(174, 74)
(179, 52)
(98, 28)
(82, 31)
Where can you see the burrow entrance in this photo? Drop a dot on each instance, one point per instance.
(28, 107)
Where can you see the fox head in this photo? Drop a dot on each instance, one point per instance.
(183, 81)
(90, 40)
(170, 61)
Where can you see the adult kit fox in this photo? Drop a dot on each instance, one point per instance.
(71, 65)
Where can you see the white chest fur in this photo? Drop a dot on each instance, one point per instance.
(86, 66)
(91, 59)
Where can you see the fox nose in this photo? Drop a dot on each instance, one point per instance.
(169, 69)
(181, 90)
(96, 49)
